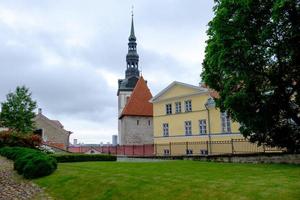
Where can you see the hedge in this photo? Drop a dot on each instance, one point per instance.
(30, 163)
(83, 157)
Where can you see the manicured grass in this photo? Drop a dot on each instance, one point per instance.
(176, 180)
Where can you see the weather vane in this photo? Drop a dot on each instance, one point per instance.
(132, 11)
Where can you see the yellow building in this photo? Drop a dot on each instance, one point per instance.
(186, 121)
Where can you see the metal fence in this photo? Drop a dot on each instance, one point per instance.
(234, 146)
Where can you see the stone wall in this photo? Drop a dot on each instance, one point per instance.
(254, 158)
(136, 130)
(122, 101)
(282, 158)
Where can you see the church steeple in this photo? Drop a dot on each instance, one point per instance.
(132, 58)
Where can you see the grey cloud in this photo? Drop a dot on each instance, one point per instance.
(72, 90)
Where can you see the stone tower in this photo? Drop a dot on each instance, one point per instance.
(132, 74)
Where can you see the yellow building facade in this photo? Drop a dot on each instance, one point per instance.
(186, 121)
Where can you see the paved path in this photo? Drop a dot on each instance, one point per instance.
(14, 187)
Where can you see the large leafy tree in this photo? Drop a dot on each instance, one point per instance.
(252, 59)
(17, 112)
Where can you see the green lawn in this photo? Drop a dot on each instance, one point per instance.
(176, 180)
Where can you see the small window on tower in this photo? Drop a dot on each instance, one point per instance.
(149, 123)
(137, 122)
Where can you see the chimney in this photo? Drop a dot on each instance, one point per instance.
(202, 84)
(39, 111)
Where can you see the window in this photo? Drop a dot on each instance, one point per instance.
(137, 122)
(189, 151)
(166, 152)
(188, 106)
(202, 126)
(168, 109)
(226, 125)
(188, 127)
(178, 107)
(149, 122)
(165, 129)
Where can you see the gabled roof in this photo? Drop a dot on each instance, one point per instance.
(58, 123)
(199, 89)
(138, 103)
(53, 123)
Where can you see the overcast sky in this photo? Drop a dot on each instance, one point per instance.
(72, 53)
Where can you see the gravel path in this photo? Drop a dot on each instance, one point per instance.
(14, 187)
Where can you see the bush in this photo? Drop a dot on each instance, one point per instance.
(14, 153)
(30, 163)
(39, 166)
(83, 157)
(10, 138)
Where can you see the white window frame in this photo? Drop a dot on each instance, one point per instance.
(165, 129)
(188, 105)
(166, 151)
(189, 151)
(178, 107)
(225, 123)
(202, 127)
(188, 127)
(169, 109)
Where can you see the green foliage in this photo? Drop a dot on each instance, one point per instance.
(15, 152)
(39, 166)
(83, 157)
(17, 112)
(31, 163)
(252, 59)
(9, 138)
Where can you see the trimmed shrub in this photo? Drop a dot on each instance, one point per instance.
(30, 163)
(39, 166)
(14, 153)
(20, 163)
(83, 157)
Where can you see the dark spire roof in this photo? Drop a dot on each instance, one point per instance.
(132, 73)
(132, 35)
(132, 57)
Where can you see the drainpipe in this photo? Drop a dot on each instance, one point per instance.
(210, 103)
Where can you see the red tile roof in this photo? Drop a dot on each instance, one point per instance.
(138, 103)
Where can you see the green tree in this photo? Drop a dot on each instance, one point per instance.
(17, 112)
(252, 59)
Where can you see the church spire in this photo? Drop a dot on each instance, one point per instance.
(132, 35)
(132, 57)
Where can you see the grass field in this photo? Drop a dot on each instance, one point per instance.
(172, 180)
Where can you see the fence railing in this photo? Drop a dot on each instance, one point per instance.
(234, 146)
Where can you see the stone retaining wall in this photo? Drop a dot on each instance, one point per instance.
(237, 158)
(257, 158)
